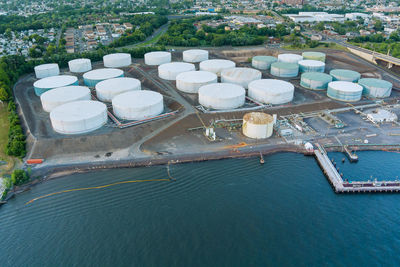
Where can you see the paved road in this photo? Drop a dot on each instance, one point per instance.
(160, 30)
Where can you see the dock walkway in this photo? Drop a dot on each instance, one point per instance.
(341, 186)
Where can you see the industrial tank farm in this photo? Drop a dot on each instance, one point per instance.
(138, 105)
(217, 65)
(91, 78)
(78, 117)
(284, 70)
(47, 70)
(157, 58)
(195, 55)
(52, 82)
(80, 65)
(191, 81)
(106, 90)
(258, 125)
(315, 80)
(222, 96)
(311, 66)
(263, 62)
(375, 87)
(169, 71)
(345, 75)
(271, 91)
(344, 91)
(117, 60)
(62, 95)
(314, 56)
(289, 58)
(240, 76)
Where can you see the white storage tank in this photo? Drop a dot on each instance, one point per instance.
(80, 65)
(222, 96)
(344, 91)
(311, 66)
(106, 90)
(271, 91)
(315, 80)
(284, 70)
(52, 82)
(289, 58)
(157, 58)
(195, 55)
(217, 65)
(62, 95)
(314, 56)
(191, 81)
(78, 117)
(47, 70)
(117, 60)
(169, 71)
(240, 76)
(258, 125)
(91, 78)
(263, 62)
(345, 75)
(138, 105)
(376, 88)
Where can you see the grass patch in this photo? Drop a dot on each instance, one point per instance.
(5, 124)
(319, 47)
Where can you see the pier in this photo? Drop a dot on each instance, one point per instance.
(340, 186)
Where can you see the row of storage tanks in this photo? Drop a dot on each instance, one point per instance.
(71, 109)
(341, 84)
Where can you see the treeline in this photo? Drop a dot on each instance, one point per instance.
(146, 24)
(185, 33)
(376, 38)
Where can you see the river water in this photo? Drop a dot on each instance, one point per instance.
(232, 212)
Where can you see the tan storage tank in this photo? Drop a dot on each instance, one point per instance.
(258, 125)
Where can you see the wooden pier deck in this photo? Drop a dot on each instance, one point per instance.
(341, 186)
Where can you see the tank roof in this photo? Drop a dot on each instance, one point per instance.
(78, 110)
(258, 118)
(55, 81)
(373, 82)
(317, 76)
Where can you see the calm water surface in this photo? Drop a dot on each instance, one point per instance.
(220, 213)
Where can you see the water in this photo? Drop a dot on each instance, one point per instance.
(220, 213)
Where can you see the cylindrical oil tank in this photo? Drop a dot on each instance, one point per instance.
(52, 82)
(106, 90)
(222, 96)
(169, 71)
(91, 78)
(217, 65)
(195, 55)
(240, 76)
(309, 65)
(271, 91)
(80, 65)
(138, 105)
(344, 91)
(284, 70)
(315, 80)
(289, 58)
(62, 95)
(314, 56)
(117, 60)
(191, 81)
(263, 62)
(78, 117)
(345, 75)
(47, 70)
(376, 88)
(258, 125)
(157, 58)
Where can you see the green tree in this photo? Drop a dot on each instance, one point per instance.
(19, 177)
(3, 94)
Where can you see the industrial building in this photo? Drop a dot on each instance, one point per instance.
(258, 125)
(271, 91)
(344, 91)
(315, 80)
(91, 78)
(78, 117)
(138, 105)
(381, 115)
(263, 62)
(240, 76)
(195, 55)
(169, 71)
(117, 60)
(62, 95)
(157, 58)
(47, 70)
(222, 96)
(191, 81)
(309, 65)
(376, 88)
(284, 70)
(217, 65)
(345, 75)
(106, 90)
(80, 65)
(52, 82)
